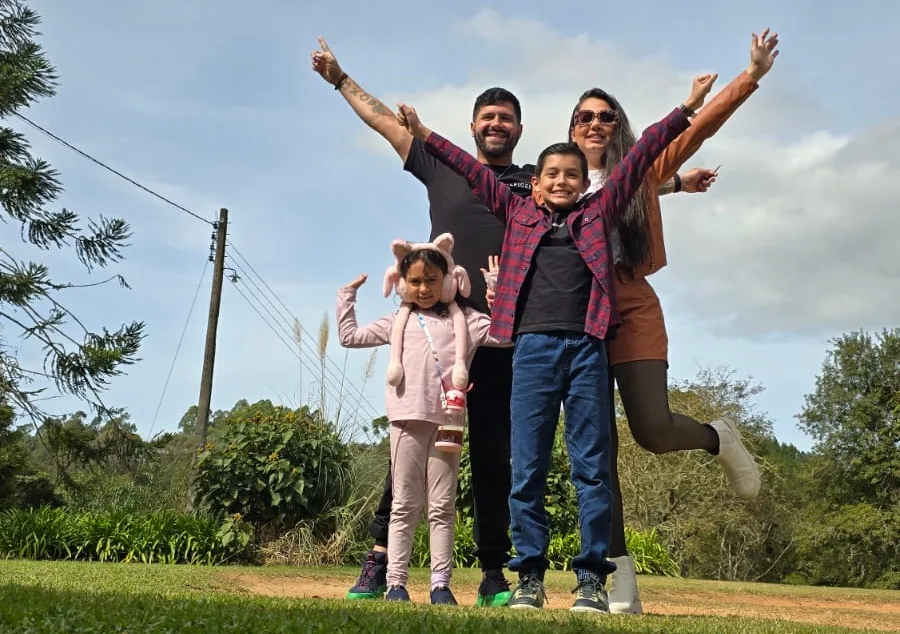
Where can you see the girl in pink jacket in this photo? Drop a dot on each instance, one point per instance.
(432, 344)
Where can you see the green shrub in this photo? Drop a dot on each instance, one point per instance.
(463, 544)
(650, 554)
(53, 533)
(273, 466)
(107, 492)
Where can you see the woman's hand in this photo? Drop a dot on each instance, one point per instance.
(697, 180)
(762, 54)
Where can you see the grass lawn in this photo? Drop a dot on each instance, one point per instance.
(77, 598)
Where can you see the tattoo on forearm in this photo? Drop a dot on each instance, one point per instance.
(667, 188)
(377, 107)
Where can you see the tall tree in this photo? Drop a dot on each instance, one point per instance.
(854, 416)
(850, 534)
(77, 360)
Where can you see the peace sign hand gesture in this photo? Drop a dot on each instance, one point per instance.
(762, 54)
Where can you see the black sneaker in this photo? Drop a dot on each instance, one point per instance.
(529, 594)
(397, 593)
(442, 596)
(590, 596)
(493, 591)
(372, 582)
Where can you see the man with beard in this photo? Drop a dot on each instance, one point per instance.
(496, 128)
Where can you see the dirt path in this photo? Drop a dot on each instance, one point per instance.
(847, 613)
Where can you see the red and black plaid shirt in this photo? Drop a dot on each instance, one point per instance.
(527, 222)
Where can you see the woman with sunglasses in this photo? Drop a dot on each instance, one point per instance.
(638, 355)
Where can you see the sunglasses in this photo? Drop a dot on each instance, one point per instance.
(586, 117)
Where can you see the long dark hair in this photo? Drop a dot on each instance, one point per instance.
(632, 225)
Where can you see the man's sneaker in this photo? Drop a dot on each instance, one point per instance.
(397, 593)
(590, 597)
(442, 596)
(372, 580)
(493, 591)
(739, 466)
(623, 592)
(529, 594)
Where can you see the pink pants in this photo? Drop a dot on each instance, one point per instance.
(424, 477)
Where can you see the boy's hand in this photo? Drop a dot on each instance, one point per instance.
(359, 281)
(409, 119)
(700, 88)
(762, 54)
(697, 180)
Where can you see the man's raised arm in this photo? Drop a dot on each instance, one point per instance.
(375, 114)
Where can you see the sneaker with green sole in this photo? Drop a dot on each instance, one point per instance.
(493, 591)
(372, 582)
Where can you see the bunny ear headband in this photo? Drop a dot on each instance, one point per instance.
(457, 279)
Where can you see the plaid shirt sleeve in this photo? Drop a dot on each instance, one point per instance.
(497, 196)
(627, 176)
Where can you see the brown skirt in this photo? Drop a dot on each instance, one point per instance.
(642, 334)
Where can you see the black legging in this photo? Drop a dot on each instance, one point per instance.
(644, 390)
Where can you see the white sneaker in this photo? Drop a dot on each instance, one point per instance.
(623, 595)
(739, 466)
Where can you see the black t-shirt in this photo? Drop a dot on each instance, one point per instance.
(478, 233)
(557, 289)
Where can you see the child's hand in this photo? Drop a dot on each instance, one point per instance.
(700, 88)
(359, 281)
(490, 279)
(493, 269)
(409, 119)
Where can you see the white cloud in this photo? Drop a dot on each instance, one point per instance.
(798, 235)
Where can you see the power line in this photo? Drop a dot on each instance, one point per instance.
(329, 389)
(336, 373)
(168, 201)
(178, 348)
(110, 169)
(369, 410)
(332, 367)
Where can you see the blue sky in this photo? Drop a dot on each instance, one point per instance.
(215, 107)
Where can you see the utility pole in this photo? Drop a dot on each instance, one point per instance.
(209, 354)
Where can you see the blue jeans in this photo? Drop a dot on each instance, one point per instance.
(550, 369)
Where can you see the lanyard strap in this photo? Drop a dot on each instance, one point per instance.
(437, 361)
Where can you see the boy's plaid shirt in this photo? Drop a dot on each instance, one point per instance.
(526, 223)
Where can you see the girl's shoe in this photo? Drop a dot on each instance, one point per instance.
(397, 593)
(442, 596)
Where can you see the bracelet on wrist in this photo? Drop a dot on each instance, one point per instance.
(340, 81)
(677, 179)
(689, 112)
